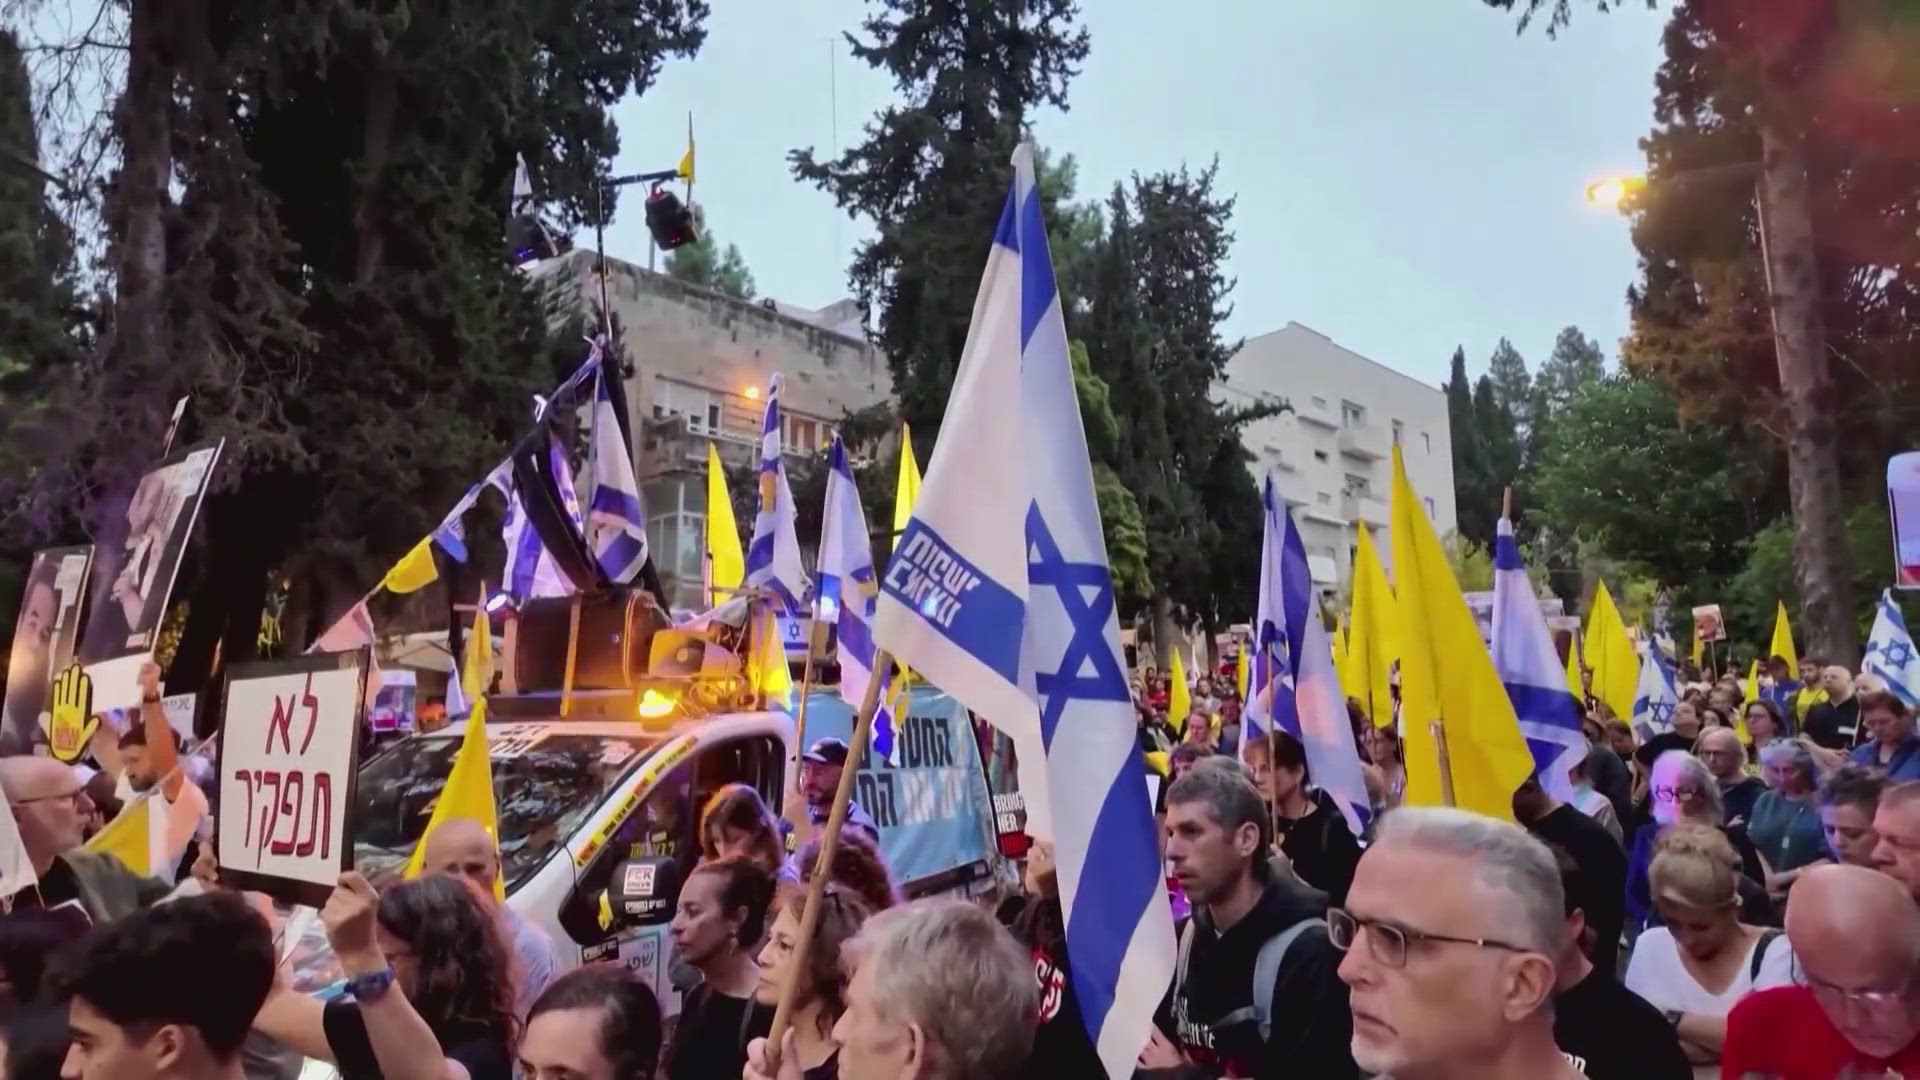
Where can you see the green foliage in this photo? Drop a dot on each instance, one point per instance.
(703, 263)
(933, 172)
(1472, 564)
(1767, 577)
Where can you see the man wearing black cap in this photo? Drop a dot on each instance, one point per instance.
(820, 769)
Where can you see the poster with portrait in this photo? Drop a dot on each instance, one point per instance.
(133, 570)
(1903, 510)
(43, 637)
(1709, 624)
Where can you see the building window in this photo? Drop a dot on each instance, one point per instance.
(1319, 455)
(1319, 402)
(1352, 415)
(1399, 429)
(1429, 502)
(1427, 441)
(1358, 485)
(1322, 498)
(700, 406)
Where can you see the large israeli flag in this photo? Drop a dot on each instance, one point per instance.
(848, 591)
(531, 570)
(999, 592)
(1279, 624)
(616, 518)
(773, 558)
(1656, 696)
(1529, 667)
(1890, 651)
(1319, 707)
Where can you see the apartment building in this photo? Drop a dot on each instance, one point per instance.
(701, 362)
(1331, 456)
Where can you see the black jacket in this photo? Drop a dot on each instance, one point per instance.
(1321, 847)
(1311, 1025)
(1062, 1049)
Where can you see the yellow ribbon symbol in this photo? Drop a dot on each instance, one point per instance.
(71, 727)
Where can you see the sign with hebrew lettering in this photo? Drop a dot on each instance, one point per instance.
(289, 747)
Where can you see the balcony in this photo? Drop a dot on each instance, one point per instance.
(1321, 415)
(1368, 508)
(1365, 441)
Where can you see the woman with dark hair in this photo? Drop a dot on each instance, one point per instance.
(716, 930)
(29, 937)
(821, 990)
(858, 865)
(429, 986)
(1310, 828)
(1061, 1047)
(736, 821)
(599, 1022)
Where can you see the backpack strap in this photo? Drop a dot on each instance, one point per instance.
(1760, 952)
(1186, 951)
(1266, 974)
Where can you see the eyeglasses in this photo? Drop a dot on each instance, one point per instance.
(1388, 943)
(1839, 998)
(1668, 791)
(73, 796)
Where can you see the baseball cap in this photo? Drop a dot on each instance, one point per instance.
(827, 752)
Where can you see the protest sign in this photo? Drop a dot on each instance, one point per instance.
(133, 572)
(1903, 508)
(1709, 624)
(43, 638)
(71, 721)
(289, 748)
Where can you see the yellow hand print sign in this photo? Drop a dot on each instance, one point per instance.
(71, 727)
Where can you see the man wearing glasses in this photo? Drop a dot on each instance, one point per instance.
(1451, 933)
(1856, 940)
(51, 807)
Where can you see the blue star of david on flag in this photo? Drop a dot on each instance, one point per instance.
(1084, 592)
(1890, 652)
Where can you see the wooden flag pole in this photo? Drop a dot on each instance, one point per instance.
(796, 962)
(806, 691)
(1439, 730)
(1506, 503)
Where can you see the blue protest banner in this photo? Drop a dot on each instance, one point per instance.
(932, 808)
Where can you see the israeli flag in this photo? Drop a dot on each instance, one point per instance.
(849, 593)
(1890, 651)
(1279, 625)
(1530, 668)
(616, 518)
(1000, 593)
(773, 558)
(1653, 702)
(531, 570)
(1319, 706)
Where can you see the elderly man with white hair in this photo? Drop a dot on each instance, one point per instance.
(1452, 933)
(940, 991)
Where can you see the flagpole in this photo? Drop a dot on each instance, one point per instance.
(573, 653)
(806, 691)
(829, 847)
(1439, 730)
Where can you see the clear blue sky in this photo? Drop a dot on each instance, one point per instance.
(1409, 172)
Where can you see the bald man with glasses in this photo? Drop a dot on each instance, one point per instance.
(51, 806)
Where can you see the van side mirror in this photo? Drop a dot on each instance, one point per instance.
(644, 892)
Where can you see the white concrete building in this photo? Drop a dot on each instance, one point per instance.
(1331, 457)
(700, 364)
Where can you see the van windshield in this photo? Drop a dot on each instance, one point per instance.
(546, 780)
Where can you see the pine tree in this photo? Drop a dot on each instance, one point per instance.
(703, 263)
(1512, 387)
(1576, 364)
(933, 173)
(1475, 509)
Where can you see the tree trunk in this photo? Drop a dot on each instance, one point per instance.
(1163, 633)
(1822, 563)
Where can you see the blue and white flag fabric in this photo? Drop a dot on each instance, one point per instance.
(1279, 624)
(1529, 667)
(1000, 593)
(773, 557)
(616, 518)
(849, 592)
(1890, 651)
(1319, 706)
(1656, 696)
(531, 570)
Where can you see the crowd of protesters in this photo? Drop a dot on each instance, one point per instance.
(1738, 896)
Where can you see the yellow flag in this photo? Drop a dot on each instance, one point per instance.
(1343, 661)
(726, 564)
(476, 675)
(1783, 639)
(1574, 682)
(138, 837)
(1447, 675)
(1609, 651)
(1750, 690)
(767, 662)
(1372, 645)
(907, 491)
(685, 169)
(414, 571)
(1179, 697)
(1241, 672)
(467, 794)
(1699, 650)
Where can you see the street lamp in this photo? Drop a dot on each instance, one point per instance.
(1614, 190)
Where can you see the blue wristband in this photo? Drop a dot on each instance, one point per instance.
(372, 986)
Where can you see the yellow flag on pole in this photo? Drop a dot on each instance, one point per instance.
(1699, 650)
(1241, 672)
(767, 660)
(1179, 697)
(414, 571)
(138, 837)
(1447, 675)
(907, 491)
(468, 793)
(1783, 639)
(1610, 652)
(476, 675)
(685, 168)
(1372, 645)
(1574, 683)
(726, 563)
(1350, 686)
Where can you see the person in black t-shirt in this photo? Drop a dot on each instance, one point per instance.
(599, 1022)
(428, 982)
(1061, 1046)
(716, 930)
(1599, 890)
(1610, 1031)
(1312, 831)
(1834, 724)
